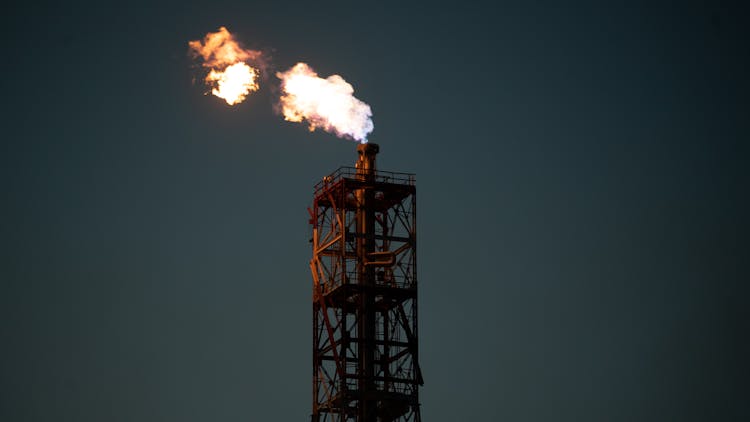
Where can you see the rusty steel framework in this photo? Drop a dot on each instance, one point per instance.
(365, 355)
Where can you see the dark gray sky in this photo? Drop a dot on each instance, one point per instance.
(583, 208)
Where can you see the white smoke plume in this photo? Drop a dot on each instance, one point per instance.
(328, 103)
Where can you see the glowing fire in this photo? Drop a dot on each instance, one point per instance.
(324, 103)
(234, 83)
(230, 78)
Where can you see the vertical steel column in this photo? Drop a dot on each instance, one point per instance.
(365, 246)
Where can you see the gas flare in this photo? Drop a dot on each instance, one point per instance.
(234, 83)
(324, 103)
(230, 78)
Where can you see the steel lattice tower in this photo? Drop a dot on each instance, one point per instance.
(365, 360)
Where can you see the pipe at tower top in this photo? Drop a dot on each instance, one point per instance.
(366, 160)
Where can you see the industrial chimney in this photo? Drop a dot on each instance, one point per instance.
(365, 349)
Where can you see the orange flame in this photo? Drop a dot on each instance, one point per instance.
(230, 78)
(324, 103)
(234, 83)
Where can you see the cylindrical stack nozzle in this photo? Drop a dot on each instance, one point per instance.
(366, 161)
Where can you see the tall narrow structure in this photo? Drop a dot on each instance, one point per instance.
(364, 269)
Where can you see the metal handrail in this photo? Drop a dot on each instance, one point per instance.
(408, 179)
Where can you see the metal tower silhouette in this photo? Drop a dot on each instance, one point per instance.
(364, 269)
